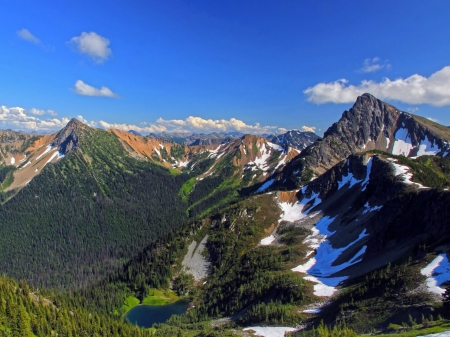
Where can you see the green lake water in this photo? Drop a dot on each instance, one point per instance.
(146, 315)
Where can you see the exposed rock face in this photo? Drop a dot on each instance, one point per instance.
(67, 139)
(369, 125)
(296, 139)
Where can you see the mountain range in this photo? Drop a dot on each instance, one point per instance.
(285, 230)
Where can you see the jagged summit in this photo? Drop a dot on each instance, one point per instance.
(370, 124)
(67, 139)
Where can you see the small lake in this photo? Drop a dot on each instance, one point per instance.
(146, 315)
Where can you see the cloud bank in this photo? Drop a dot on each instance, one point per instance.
(34, 120)
(19, 118)
(415, 89)
(84, 89)
(195, 124)
(93, 45)
(25, 34)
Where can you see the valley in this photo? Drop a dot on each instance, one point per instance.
(339, 235)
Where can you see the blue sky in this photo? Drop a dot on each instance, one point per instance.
(253, 66)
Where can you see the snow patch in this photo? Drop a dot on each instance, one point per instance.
(433, 149)
(402, 171)
(46, 151)
(268, 240)
(28, 163)
(265, 186)
(294, 212)
(325, 290)
(311, 311)
(261, 162)
(183, 163)
(52, 157)
(320, 267)
(368, 170)
(276, 147)
(402, 144)
(387, 142)
(157, 151)
(13, 161)
(270, 331)
(437, 272)
(370, 209)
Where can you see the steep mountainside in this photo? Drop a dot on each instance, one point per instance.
(296, 139)
(231, 169)
(159, 151)
(86, 213)
(370, 124)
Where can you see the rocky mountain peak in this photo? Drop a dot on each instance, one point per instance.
(365, 122)
(67, 139)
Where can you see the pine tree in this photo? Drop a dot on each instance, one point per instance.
(446, 299)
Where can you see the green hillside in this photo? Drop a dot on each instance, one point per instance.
(82, 217)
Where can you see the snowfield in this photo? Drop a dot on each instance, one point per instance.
(294, 211)
(403, 145)
(437, 272)
(268, 240)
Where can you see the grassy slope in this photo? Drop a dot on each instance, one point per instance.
(440, 130)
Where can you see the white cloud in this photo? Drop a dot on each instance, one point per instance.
(27, 36)
(128, 127)
(84, 89)
(433, 119)
(308, 128)
(199, 124)
(37, 112)
(372, 65)
(52, 113)
(20, 118)
(415, 89)
(195, 124)
(92, 44)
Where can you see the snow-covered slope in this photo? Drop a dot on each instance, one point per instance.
(361, 214)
